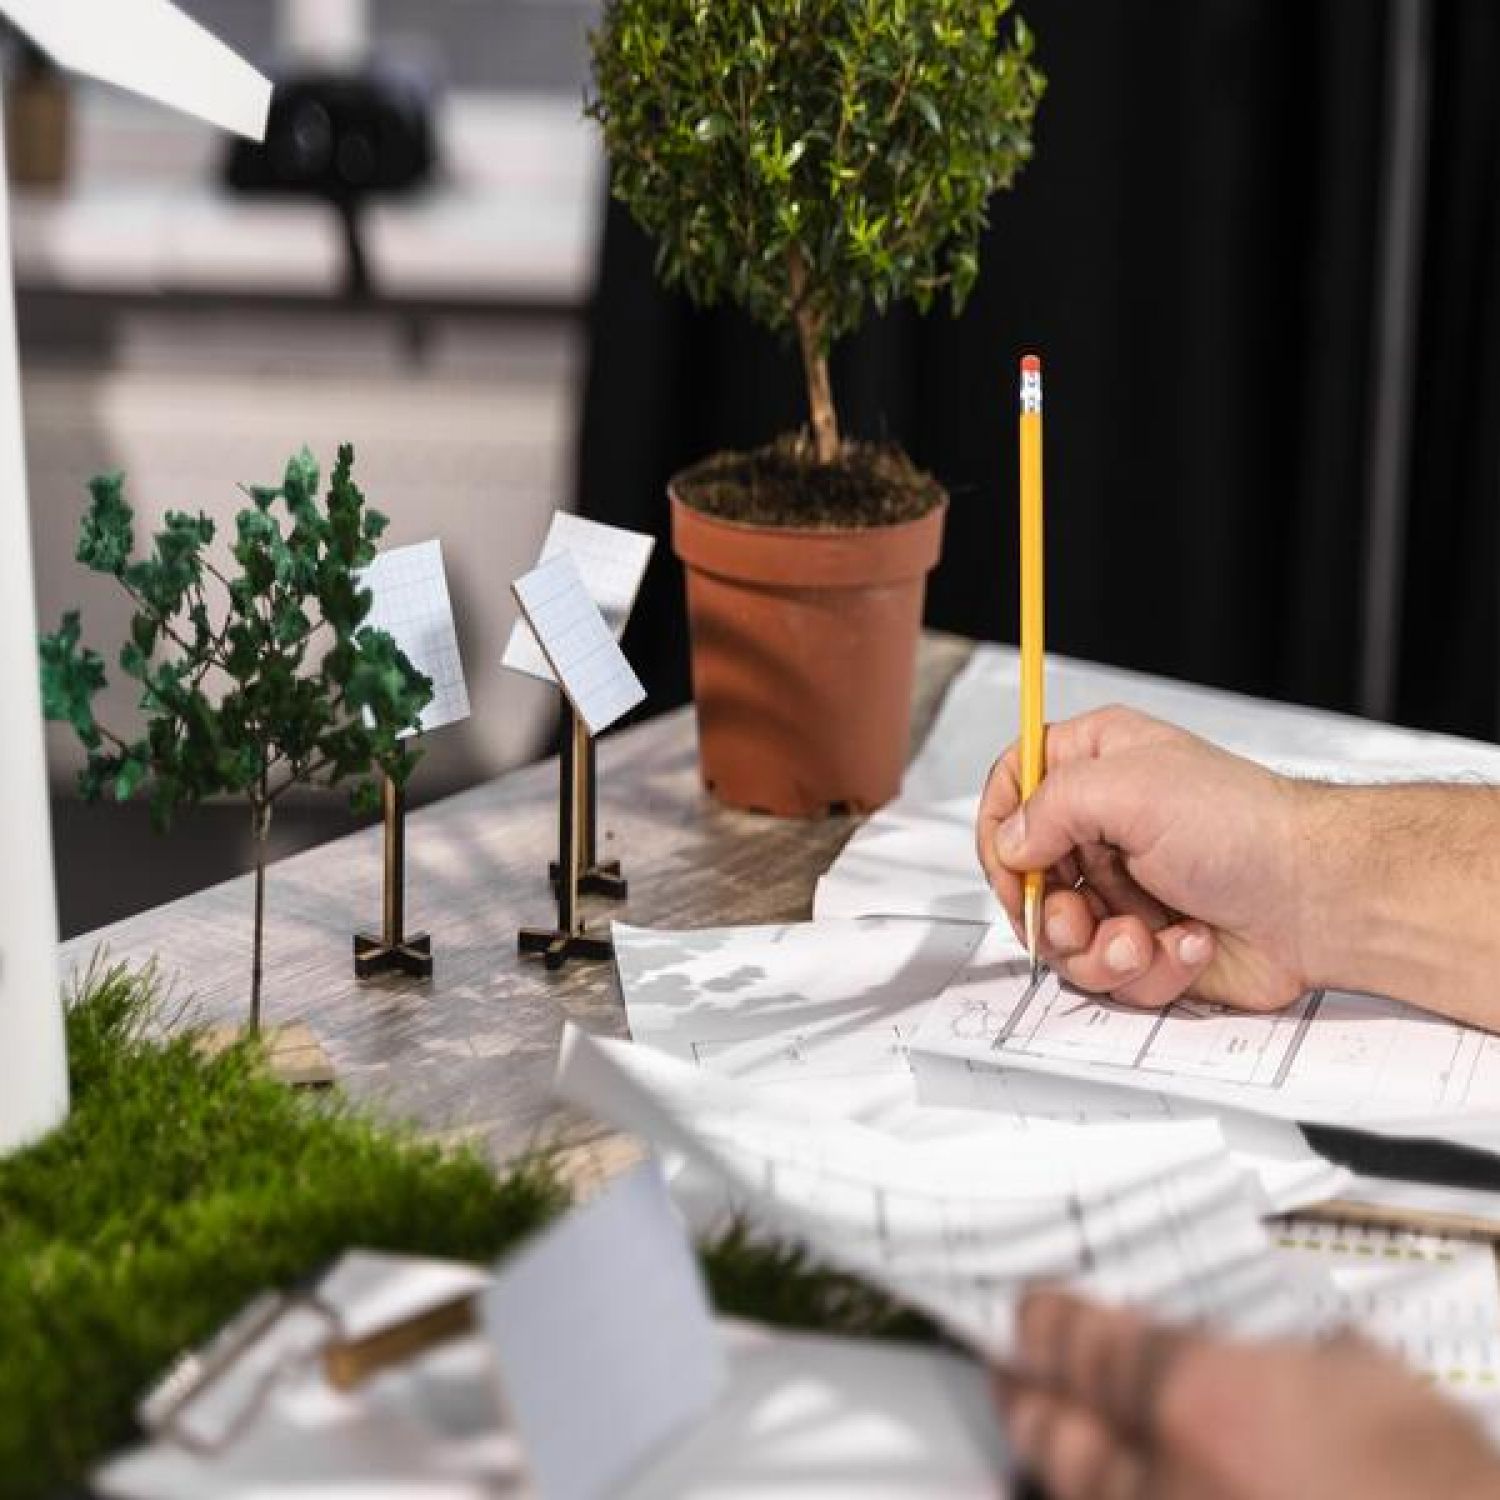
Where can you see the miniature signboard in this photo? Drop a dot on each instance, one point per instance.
(583, 654)
(603, 1338)
(411, 604)
(612, 562)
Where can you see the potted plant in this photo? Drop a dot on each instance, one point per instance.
(276, 684)
(810, 160)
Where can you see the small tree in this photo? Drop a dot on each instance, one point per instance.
(808, 158)
(281, 684)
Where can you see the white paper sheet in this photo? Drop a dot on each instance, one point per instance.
(1432, 1300)
(979, 718)
(1331, 1058)
(584, 657)
(913, 859)
(1154, 1214)
(817, 1418)
(410, 603)
(612, 563)
(822, 1013)
(821, 1418)
(916, 857)
(603, 1339)
(1291, 1174)
(821, 1008)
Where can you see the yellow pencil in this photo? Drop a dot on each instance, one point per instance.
(1033, 618)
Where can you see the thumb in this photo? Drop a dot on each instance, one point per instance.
(1075, 805)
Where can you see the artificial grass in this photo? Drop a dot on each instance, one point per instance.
(183, 1184)
(180, 1186)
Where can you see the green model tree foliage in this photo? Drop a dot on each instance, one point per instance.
(273, 682)
(809, 158)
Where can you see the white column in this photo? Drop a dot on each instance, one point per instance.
(33, 1049)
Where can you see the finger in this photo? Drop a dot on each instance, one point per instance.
(1068, 923)
(1119, 953)
(1001, 796)
(1076, 805)
(1108, 878)
(1180, 954)
(1072, 1452)
(1113, 1360)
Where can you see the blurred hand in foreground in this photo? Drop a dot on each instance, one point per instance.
(1106, 1405)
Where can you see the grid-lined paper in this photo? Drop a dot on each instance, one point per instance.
(584, 656)
(411, 604)
(612, 562)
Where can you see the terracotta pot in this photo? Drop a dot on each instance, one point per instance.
(804, 650)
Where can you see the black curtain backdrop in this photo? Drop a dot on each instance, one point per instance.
(1195, 252)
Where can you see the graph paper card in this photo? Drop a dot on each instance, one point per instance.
(411, 603)
(612, 562)
(584, 656)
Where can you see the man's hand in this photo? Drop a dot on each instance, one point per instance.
(1172, 865)
(1106, 1404)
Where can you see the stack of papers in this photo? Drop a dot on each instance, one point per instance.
(829, 1013)
(895, 1051)
(1154, 1215)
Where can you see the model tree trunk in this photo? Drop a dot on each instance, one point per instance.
(811, 336)
(260, 822)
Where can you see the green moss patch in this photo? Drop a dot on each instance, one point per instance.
(182, 1184)
(178, 1188)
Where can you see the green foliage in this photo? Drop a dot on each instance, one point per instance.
(778, 1283)
(276, 682)
(809, 158)
(279, 683)
(183, 1184)
(178, 1188)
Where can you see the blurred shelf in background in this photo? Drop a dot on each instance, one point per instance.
(512, 220)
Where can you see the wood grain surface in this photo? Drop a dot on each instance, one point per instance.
(469, 1054)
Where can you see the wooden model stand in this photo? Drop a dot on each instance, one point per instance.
(596, 877)
(393, 950)
(569, 939)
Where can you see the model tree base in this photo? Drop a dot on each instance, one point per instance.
(294, 1055)
(556, 948)
(374, 956)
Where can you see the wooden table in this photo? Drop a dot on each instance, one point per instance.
(469, 1054)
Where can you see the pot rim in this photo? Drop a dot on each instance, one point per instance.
(759, 528)
(800, 557)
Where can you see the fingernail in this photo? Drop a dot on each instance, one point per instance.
(1121, 955)
(1010, 836)
(1195, 948)
(1059, 934)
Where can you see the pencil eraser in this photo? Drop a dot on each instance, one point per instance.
(1031, 363)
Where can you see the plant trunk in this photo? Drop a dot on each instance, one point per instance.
(260, 823)
(810, 336)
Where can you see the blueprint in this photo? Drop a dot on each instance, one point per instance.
(1330, 1058)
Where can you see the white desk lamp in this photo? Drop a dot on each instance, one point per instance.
(151, 48)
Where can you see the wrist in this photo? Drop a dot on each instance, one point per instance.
(1397, 889)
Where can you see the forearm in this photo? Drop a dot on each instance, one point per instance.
(1401, 895)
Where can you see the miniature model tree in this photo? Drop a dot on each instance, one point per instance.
(252, 681)
(810, 159)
